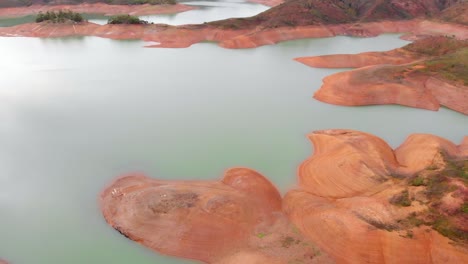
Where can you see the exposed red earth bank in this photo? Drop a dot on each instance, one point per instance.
(3, 261)
(357, 201)
(346, 201)
(185, 36)
(426, 74)
(394, 57)
(109, 10)
(97, 8)
(270, 3)
(294, 19)
(235, 219)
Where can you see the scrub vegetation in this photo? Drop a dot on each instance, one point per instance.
(126, 19)
(448, 58)
(429, 189)
(453, 67)
(443, 57)
(59, 17)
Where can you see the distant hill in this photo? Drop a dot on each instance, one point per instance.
(456, 13)
(314, 12)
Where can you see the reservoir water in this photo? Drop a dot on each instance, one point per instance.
(206, 11)
(77, 112)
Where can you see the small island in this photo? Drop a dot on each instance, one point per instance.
(62, 16)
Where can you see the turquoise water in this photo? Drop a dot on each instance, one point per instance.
(8, 22)
(77, 112)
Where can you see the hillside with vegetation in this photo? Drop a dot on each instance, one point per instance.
(316, 12)
(444, 58)
(428, 73)
(456, 14)
(439, 198)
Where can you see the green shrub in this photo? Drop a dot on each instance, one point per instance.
(59, 17)
(417, 181)
(446, 228)
(401, 199)
(464, 208)
(126, 19)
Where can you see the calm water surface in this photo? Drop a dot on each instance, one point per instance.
(209, 10)
(75, 113)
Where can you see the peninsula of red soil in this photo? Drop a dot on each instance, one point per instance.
(235, 220)
(425, 74)
(3, 261)
(363, 202)
(97, 8)
(358, 201)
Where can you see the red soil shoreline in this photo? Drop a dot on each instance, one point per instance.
(352, 88)
(185, 36)
(108, 10)
(339, 213)
(97, 8)
(270, 3)
(391, 77)
(393, 57)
